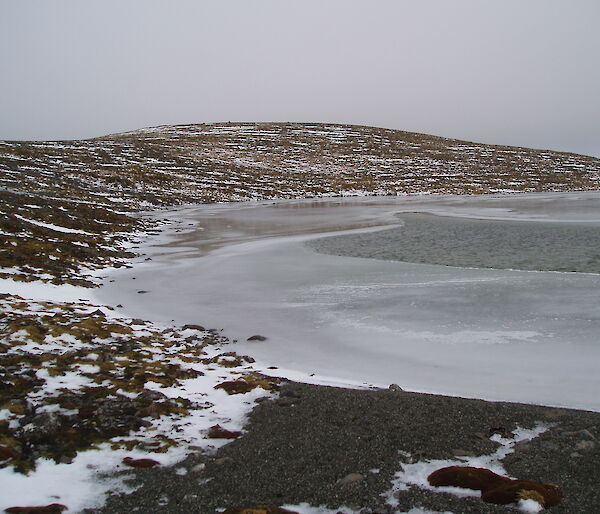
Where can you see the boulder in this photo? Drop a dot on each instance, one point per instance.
(496, 488)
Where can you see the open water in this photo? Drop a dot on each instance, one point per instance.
(476, 243)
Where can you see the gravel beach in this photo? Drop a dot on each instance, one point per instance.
(298, 448)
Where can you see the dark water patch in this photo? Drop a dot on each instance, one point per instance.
(523, 245)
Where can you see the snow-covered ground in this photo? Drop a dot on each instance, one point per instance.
(83, 355)
(493, 334)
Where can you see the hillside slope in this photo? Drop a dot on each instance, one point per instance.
(64, 204)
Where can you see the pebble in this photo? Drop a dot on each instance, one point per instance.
(198, 468)
(351, 478)
(463, 453)
(585, 445)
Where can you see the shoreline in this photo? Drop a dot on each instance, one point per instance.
(298, 449)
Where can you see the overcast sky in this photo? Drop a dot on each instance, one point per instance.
(519, 72)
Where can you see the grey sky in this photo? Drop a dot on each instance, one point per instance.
(520, 72)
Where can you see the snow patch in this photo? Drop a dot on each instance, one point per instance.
(56, 228)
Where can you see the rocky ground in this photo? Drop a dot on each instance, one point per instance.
(75, 376)
(338, 447)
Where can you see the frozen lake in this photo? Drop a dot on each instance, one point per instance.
(500, 334)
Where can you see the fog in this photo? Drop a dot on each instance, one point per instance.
(505, 72)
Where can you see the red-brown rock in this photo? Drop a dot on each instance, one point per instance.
(54, 508)
(480, 479)
(6, 452)
(547, 495)
(218, 432)
(140, 463)
(236, 386)
(495, 488)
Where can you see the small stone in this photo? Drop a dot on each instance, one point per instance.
(585, 445)
(198, 468)
(137, 321)
(119, 305)
(396, 388)
(290, 394)
(501, 431)
(193, 327)
(257, 337)
(351, 478)
(285, 402)
(523, 446)
(98, 312)
(548, 445)
(223, 460)
(463, 453)
(143, 292)
(585, 433)
(556, 412)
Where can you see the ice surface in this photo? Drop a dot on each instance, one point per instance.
(497, 334)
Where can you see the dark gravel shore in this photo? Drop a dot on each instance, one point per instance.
(298, 447)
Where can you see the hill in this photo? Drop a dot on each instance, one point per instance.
(67, 204)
